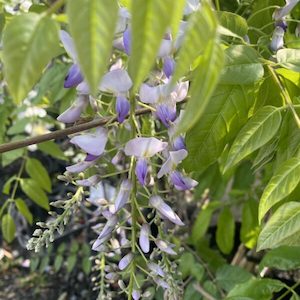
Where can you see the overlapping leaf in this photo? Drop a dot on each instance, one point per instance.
(289, 58)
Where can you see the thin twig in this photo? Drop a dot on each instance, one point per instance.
(63, 132)
(203, 292)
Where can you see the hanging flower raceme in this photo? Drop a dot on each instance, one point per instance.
(123, 195)
(143, 148)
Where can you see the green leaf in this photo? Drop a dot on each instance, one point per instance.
(186, 262)
(283, 258)
(289, 58)
(221, 120)
(233, 22)
(201, 30)
(38, 173)
(257, 132)
(241, 66)
(249, 229)
(34, 43)
(92, 24)
(284, 181)
(255, 288)
(204, 83)
(71, 262)
(178, 7)
(58, 262)
(225, 231)
(35, 193)
(7, 185)
(23, 209)
(52, 149)
(229, 276)
(8, 227)
(282, 229)
(86, 265)
(150, 20)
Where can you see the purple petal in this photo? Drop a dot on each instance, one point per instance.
(116, 82)
(166, 113)
(149, 94)
(169, 66)
(165, 247)
(179, 143)
(90, 157)
(156, 269)
(109, 227)
(122, 108)
(144, 147)
(74, 77)
(80, 167)
(165, 210)
(72, 114)
(127, 41)
(92, 143)
(165, 48)
(136, 295)
(123, 195)
(83, 88)
(174, 159)
(277, 39)
(144, 238)
(89, 181)
(98, 243)
(125, 261)
(282, 23)
(182, 183)
(141, 170)
(68, 44)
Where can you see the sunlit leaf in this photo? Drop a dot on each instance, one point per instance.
(233, 22)
(289, 58)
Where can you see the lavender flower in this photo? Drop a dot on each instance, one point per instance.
(191, 6)
(122, 108)
(165, 210)
(165, 247)
(125, 261)
(127, 41)
(92, 143)
(136, 295)
(277, 39)
(169, 66)
(74, 77)
(182, 183)
(155, 268)
(141, 170)
(89, 181)
(161, 283)
(123, 194)
(83, 165)
(280, 13)
(179, 143)
(166, 113)
(144, 238)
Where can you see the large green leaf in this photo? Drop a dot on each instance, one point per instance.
(282, 258)
(35, 193)
(283, 228)
(233, 22)
(92, 25)
(222, 119)
(8, 227)
(242, 66)
(256, 133)
(284, 181)
(202, 28)
(23, 209)
(203, 85)
(29, 42)
(289, 58)
(150, 19)
(38, 173)
(225, 231)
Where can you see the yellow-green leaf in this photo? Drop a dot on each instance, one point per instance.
(23, 209)
(8, 227)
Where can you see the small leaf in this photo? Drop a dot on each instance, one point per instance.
(150, 20)
(38, 173)
(58, 262)
(35, 193)
(86, 265)
(257, 132)
(71, 262)
(284, 181)
(241, 66)
(225, 231)
(92, 25)
(289, 58)
(23, 209)
(8, 228)
(282, 229)
(52, 149)
(283, 258)
(233, 22)
(34, 43)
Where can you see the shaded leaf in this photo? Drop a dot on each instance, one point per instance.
(23, 209)
(8, 227)
(52, 149)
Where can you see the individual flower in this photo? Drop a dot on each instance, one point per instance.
(165, 210)
(175, 158)
(125, 261)
(179, 143)
(72, 114)
(182, 183)
(155, 268)
(127, 41)
(123, 195)
(280, 13)
(166, 113)
(122, 108)
(89, 161)
(136, 295)
(92, 143)
(161, 283)
(141, 170)
(277, 39)
(144, 238)
(74, 77)
(89, 181)
(124, 17)
(165, 247)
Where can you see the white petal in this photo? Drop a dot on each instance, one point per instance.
(116, 82)
(68, 44)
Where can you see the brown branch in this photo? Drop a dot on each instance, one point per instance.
(63, 132)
